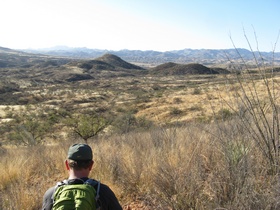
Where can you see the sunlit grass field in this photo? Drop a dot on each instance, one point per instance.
(195, 154)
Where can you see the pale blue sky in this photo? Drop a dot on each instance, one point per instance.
(140, 24)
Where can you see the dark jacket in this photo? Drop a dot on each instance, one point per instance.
(107, 199)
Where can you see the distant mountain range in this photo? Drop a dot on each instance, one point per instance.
(202, 56)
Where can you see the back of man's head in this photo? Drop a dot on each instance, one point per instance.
(79, 156)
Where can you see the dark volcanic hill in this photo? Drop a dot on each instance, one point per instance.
(171, 68)
(116, 61)
(94, 65)
(107, 62)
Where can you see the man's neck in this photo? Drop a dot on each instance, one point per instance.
(78, 174)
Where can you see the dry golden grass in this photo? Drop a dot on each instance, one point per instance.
(196, 165)
(176, 168)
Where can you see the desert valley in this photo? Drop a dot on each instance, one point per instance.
(169, 130)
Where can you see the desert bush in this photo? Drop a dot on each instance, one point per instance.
(196, 91)
(29, 131)
(177, 100)
(87, 125)
(175, 111)
(31, 125)
(196, 107)
(248, 137)
(128, 122)
(254, 101)
(223, 114)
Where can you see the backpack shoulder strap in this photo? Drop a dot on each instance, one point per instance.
(94, 183)
(58, 184)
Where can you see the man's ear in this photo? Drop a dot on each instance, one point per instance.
(91, 165)
(67, 165)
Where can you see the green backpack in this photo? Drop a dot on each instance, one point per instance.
(76, 196)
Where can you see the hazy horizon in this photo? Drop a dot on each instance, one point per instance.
(159, 25)
(64, 47)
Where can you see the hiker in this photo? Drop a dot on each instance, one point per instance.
(79, 164)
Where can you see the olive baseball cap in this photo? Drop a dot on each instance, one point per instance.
(79, 152)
